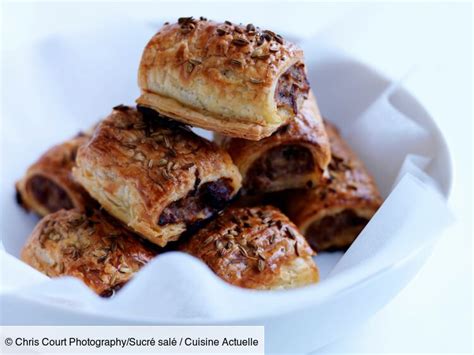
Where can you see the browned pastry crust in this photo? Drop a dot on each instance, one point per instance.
(255, 248)
(48, 184)
(155, 175)
(92, 247)
(332, 215)
(233, 79)
(293, 157)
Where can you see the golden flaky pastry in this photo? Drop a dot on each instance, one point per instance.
(295, 156)
(48, 184)
(255, 248)
(156, 176)
(233, 79)
(90, 246)
(332, 215)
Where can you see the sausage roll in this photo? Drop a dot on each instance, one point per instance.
(255, 248)
(295, 156)
(332, 215)
(155, 175)
(90, 246)
(48, 184)
(233, 79)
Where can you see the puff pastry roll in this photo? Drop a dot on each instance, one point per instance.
(295, 156)
(332, 215)
(48, 184)
(255, 248)
(92, 247)
(155, 175)
(233, 79)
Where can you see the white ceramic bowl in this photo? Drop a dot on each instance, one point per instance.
(318, 315)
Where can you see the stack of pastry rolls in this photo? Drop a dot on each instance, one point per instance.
(329, 205)
(142, 182)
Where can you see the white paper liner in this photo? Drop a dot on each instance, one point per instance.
(397, 149)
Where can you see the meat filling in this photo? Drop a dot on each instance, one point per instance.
(277, 163)
(321, 233)
(49, 194)
(199, 204)
(292, 88)
(112, 290)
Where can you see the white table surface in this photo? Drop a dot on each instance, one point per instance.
(433, 42)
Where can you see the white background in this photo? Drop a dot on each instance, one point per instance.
(432, 42)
